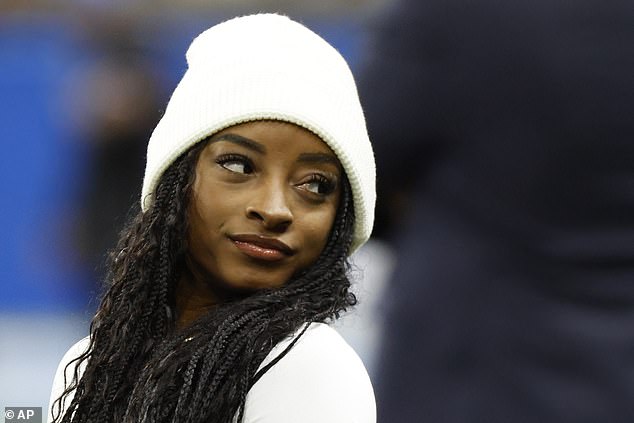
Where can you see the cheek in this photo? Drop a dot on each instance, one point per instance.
(198, 236)
(205, 219)
(210, 205)
(206, 226)
(317, 229)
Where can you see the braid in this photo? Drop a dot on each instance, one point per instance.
(132, 316)
(141, 368)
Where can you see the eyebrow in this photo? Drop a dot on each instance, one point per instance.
(240, 140)
(256, 146)
(318, 158)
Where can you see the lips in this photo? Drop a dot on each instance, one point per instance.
(261, 248)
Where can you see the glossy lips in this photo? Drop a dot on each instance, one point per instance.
(261, 248)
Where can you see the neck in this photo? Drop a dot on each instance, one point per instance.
(194, 296)
(197, 292)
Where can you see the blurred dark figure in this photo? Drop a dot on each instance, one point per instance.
(117, 105)
(505, 143)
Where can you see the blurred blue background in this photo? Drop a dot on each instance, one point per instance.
(503, 139)
(64, 103)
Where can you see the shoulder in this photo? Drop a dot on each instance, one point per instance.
(320, 379)
(64, 373)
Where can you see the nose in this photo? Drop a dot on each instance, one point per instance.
(270, 207)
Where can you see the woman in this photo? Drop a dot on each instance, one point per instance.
(259, 183)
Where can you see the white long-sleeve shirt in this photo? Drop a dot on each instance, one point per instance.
(321, 379)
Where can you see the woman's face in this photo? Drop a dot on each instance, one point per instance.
(263, 204)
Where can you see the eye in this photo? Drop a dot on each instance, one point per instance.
(319, 184)
(235, 163)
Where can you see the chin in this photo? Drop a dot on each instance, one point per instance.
(247, 279)
(257, 284)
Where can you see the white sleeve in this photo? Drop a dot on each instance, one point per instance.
(321, 379)
(58, 383)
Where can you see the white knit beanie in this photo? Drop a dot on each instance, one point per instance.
(267, 66)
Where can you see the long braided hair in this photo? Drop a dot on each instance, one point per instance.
(139, 367)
